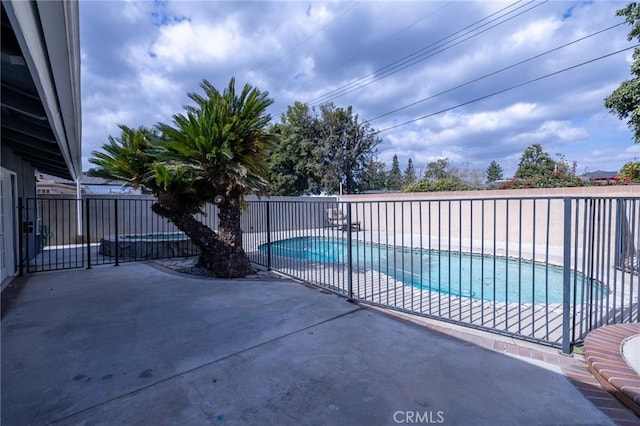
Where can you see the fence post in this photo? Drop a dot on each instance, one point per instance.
(268, 218)
(566, 278)
(88, 233)
(20, 237)
(117, 246)
(25, 233)
(349, 254)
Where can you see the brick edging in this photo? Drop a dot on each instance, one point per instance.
(603, 354)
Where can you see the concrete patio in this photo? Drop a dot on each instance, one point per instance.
(137, 344)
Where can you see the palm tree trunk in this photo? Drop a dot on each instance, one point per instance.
(225, 260)
(229, 213)
(230, 232)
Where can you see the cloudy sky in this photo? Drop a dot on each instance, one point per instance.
(473, 81)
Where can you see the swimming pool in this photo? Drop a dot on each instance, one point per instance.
(460, 274)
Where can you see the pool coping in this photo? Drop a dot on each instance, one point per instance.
(603, 353)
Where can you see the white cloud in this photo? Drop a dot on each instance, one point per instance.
(156, 83)
(177, 43)
(507, 117)
(300, 51)
(132, 10)
(632, 153)
(536, 32)
(452, 126)
(552, 131)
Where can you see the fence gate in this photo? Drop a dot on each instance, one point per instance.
(67, 233)
(50, 237)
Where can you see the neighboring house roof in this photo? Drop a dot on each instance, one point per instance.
(599, 174)
(41, 111)
(91, 185)
(84, 180)
(94, 180)
(494, 184)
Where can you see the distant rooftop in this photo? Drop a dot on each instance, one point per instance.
(599, 174)
(49, 184)
(84, 179)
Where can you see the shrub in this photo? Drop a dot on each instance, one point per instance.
(552, 179)
(630, 172)
(438, 185)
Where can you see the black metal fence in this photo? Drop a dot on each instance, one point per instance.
(61, 233)
(545, 269)
(58, 232)
(542, 269)
(605, 249)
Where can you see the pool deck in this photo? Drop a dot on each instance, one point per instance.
(140, 344)
(538, 322)
(609, 371)
(573, 367)
(532, 321)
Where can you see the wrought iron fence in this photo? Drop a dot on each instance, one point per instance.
(541, 269)
(63, 233)
(545, 269)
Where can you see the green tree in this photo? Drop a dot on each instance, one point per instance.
(534, 162)
(213, 152)
(494, 172)
(394, 178)
(471, 177)
(349, 147)
(625, 100)
(409, 175)
(561, 176)
(375, 176)
(321, 150)
(439, 169)
(295, 163)
(630, 171)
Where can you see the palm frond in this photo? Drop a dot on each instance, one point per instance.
(126, 157)
(225, 133)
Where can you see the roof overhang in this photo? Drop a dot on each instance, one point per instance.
(40, 98)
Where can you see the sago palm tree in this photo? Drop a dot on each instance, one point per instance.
(224, 139)
(213, 152)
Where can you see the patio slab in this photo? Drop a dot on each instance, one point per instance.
(135, 345)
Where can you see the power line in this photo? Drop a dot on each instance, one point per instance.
(507, 89)
(496, 72)
(288, 52)
(354, 82)
(430, 14)
(419, 55)
(380, 43)
(407, 64)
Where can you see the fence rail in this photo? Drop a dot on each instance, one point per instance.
(544, 269)
(69, 233)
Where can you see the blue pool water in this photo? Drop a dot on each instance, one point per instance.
(474, 276)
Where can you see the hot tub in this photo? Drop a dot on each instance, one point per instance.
(148, 246)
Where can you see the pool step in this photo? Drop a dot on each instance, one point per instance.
(602, 350)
